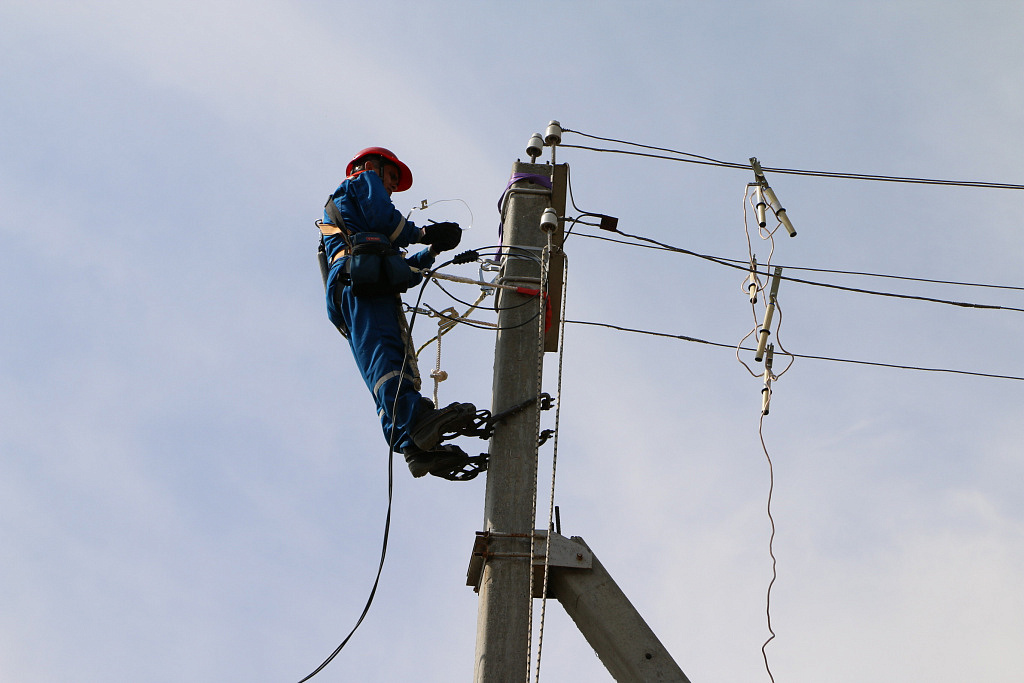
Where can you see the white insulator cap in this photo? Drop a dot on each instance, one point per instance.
(553, 134)
(549, 220)
(535, 146)
(781, 214)
(762, 340)
(760, 207)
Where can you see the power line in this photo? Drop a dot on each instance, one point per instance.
(795, 355)
(746, 265)
(738, 265)
(708, 161)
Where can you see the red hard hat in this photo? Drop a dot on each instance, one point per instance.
(404, 182)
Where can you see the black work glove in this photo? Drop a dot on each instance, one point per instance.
(442, 236)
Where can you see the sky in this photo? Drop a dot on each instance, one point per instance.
(193, 483)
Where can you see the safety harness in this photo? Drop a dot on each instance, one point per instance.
(376, 266)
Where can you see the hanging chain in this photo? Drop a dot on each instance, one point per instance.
(554, 465)
(545, 262)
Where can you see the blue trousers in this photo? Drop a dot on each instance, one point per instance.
(378, 334)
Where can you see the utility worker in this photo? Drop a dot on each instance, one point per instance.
(365, 273)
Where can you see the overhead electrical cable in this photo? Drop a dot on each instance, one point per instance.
(895, 366)
(746, 265)
(738, 265)
(708, 161)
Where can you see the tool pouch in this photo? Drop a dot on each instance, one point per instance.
(375, 267)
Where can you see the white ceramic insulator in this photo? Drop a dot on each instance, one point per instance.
(762, 339)
(535, 146)
(553, 134)
(760, 207)
(781, 213)
(549, 220)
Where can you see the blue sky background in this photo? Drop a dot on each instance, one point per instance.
(192, 479)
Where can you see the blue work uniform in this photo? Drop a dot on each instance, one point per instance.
(377, 330)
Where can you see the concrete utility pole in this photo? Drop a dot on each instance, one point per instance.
(503, 620)
(504, 555)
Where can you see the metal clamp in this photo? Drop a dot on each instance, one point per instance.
(484, 422)
(567, 553)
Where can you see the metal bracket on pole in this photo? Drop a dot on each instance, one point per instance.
(563, 552)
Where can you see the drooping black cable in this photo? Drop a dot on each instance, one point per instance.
(496, 308)
(794, 355)
(387, 519)
(730, 263)
(572, 200)
(437, 283)
(746, 265)
(376, 581)
(463, 259)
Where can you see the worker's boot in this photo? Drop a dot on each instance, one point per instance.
(433, 424)
(439, 461)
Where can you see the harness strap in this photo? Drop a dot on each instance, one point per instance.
(339, 222)
(338, 227)
(327, 229)
(332, 212)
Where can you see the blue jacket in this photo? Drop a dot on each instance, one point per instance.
(366, 207)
